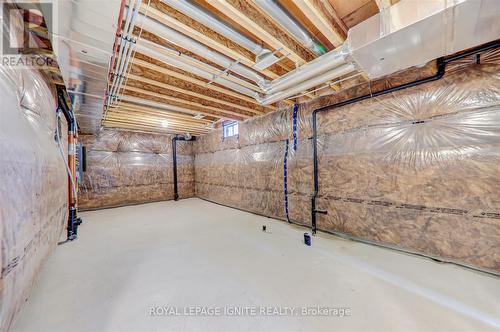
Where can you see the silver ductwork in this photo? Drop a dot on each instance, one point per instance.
(264, 56)
(196, 47)
(274, 10)
(208, 20)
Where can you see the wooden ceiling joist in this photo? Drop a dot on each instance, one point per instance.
(191, 93)
(353, 12)
(134, 126)
(117, 114)
(195, 88)
(203, 84)
(155, 111)
(213, 40)
(250, 18)
(324, 17)
(125, 114)
(179, 99)
(152, 122)
(141, 102)
(200, 65)
(198, 108)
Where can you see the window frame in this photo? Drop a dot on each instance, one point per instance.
(229, 127)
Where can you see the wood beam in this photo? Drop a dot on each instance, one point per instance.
(136, 119)
(251, 19)
(175, 24)
(191, 93)
(150, 125)
(360, 14)
(200, 108)
(129, 125)
(193, 80)
(159, 113)
(201, 65)
(324, 17)
(131, 100)
(135, 116)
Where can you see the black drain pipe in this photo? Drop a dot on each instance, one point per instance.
(174, 157)
(441, 69)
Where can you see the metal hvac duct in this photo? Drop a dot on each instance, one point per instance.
(194, 46)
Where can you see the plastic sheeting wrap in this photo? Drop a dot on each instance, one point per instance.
(248, 178)
(34, 184)
(125, 167)
(417, 169)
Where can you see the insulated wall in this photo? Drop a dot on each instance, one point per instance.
(125, 167)
(33, 184)
(417, 169)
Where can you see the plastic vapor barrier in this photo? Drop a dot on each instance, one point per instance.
(34, 184)
(125, 167)
(416, 169)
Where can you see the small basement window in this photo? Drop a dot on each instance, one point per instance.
(229, 129)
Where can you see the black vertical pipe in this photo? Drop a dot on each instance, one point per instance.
(441, 69)
(174, 158)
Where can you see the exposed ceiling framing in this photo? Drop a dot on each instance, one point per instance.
(160, 97)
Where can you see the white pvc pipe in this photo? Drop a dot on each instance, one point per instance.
(327, 76)
(311, 69)
(196, 71)
(115, 77)
(208, 20)
(194, 46)
(123, 46)
(277, 13)
(130, 45)
(121, 78)
(124, 50)
(129, 16)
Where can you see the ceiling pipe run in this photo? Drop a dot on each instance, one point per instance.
(274, 10)
(126, 49)
(192, 45)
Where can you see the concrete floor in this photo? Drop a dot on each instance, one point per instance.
(174, 257)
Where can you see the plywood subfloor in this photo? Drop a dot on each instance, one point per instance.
(195, 253)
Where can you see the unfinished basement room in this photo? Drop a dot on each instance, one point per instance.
(250, 165)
